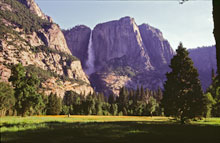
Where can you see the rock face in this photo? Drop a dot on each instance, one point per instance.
(78, 40)
(44, 51)
(30, 4)
(116, 39)
(204, 60)
(156, 46)
(126, 55)
(55, 38)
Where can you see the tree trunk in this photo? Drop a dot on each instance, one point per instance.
(182, 120)
(216, 18)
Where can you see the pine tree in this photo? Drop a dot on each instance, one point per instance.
(7, 99)
(214, 90)
(111, 99)
(114, 109)
(54, 105)
(183, 96)
(213, 74)
(159, 94)
(209, 102)
(122, 99)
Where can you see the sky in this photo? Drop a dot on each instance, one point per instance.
(190, 23)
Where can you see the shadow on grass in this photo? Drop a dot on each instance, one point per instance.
(111, 132)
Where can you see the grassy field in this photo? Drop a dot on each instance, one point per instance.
(110, 129)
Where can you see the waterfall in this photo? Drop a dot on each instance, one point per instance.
(90, 62)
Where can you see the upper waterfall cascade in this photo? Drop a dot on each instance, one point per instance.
(90, 62)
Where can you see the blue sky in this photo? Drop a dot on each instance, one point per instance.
(190, 23)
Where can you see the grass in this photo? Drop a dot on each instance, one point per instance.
(110, 129)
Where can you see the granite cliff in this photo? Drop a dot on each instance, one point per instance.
(78, 40)
(204, 59)
(125, 54)
(33, 39)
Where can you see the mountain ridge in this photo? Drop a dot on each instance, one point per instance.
(122, 40)
(27, 36)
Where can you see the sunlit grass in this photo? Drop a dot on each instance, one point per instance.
(106, 129)
(77, 118)
(13, 124)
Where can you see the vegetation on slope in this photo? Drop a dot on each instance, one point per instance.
(22, 17)
(48, 50)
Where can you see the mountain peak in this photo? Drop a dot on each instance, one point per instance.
(32, 5)
(126, 18)
(151, 28)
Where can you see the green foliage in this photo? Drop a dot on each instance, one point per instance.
(7, 99)
(47, 50)
(7, 31)
(214, 90)
(209, 102)
(42, 74)
(139, 102)
(114, 109)
(22, 17)
(25, 85)
(183, 97)
(152, 105)
(65, 110)
(54, 105)
(93, 104)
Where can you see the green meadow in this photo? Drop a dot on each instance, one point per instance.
(110, 129)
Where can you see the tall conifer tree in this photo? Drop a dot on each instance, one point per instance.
(183, 96)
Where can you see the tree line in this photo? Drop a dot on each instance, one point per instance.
(181, 98)
(23, 99)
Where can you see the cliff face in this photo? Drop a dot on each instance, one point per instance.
(33, 7)
(126, 54)
(156, 46)
(204, 60)
(77, 40)
(116, 39)
(40, 46)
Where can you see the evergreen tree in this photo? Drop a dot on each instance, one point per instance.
(39, 105)
(151, 106)
(54, 105)
(213, 74)
(138, 93)
(7, 99)
(114, 109)
(159, 94)
(122, 100)
(209, 102)
(216, 106)
(98, 107)
(111, 99)
(142, 93)
(69, 98)
(25, 86)
(214, 90)
(183, 97)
